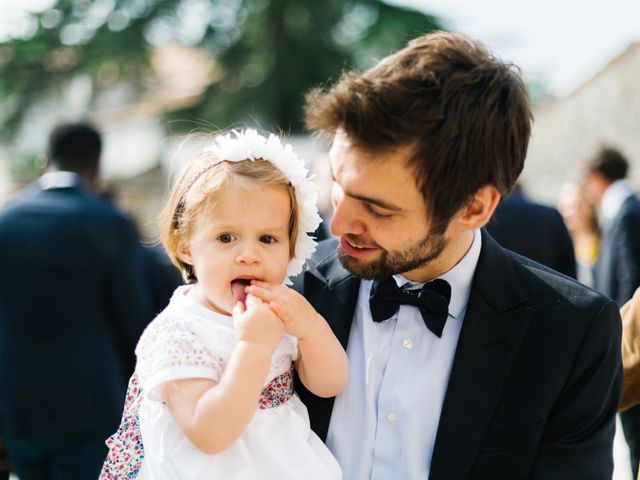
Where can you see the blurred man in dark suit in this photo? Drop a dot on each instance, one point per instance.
(534, 231)
(73, 301)
(617, 271)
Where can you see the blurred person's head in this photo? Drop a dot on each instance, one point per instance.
(230, 218)
(607, 166)
(431, 136)
(76, 147)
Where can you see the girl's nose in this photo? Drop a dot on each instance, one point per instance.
(248, 254)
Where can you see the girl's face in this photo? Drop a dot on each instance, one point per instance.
(244, 236)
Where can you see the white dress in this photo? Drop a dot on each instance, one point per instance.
(189, 341)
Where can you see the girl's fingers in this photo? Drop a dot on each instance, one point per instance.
(238, 309)
(264, 293)
(278, 309)
(252, 301)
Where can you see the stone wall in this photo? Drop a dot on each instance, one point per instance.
(603, 111)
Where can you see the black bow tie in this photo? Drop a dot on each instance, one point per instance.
(432, 301)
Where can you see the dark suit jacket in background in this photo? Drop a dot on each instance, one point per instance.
(73, 302)
(617, 272)
(536, 376)
(534, 231)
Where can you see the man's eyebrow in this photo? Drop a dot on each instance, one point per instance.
(364, 198)
(375, 201)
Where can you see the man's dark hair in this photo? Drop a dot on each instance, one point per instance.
(609, 163)
(75, 147)
(466, 112)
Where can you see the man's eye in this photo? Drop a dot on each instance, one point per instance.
(268, 239)
(226, 238)
(376, 214)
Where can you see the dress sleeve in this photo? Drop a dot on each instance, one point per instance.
(173, 350)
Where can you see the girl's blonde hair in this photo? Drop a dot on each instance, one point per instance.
(197, 189)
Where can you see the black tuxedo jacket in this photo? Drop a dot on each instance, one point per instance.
(618, 267)
(73, 301)
(536, 376)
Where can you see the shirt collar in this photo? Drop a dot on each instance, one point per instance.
(459, 277)
(614, 197)
(59, 179)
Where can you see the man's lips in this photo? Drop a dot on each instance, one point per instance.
(353, 249)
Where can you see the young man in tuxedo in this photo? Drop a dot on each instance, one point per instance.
(466, 361)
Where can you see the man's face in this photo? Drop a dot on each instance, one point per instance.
(380, 215)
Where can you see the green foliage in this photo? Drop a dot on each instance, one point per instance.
(271, 51)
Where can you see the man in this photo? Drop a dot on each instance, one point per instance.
(73, 302)
(617, 271)
(618, 268)
(519, 376)
(534, 231)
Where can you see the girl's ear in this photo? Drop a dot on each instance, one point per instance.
(184, 252)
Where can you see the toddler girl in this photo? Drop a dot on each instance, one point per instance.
(212, 393)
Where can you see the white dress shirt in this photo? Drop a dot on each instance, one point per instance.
(612, 200)
(59, 179)
(384, 424)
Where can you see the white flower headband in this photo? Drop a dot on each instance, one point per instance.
(239, 145)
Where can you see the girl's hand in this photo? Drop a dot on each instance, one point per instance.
(299, 317)
(257, 324)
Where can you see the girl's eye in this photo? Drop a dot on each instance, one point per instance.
(268, 239)
(226, 238)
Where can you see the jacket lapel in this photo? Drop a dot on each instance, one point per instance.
(333, 292)
(494, 326)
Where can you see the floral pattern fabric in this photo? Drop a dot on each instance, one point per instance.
(125, 446)
(126, 450)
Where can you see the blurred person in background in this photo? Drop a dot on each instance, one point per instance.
(73, 302)
(534, 231)
(617, 271)
(581, 218)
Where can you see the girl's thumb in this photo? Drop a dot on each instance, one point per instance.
(238, 309)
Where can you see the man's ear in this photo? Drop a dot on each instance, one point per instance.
(184, 252)
(477, 213)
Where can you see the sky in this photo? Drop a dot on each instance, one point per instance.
(560, 43)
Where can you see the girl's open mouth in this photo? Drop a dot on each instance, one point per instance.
(237, 289)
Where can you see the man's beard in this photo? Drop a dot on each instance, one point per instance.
(392, 263)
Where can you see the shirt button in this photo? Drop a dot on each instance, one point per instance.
(392, 416)
(407, 344)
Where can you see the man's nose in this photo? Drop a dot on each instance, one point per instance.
(345, 218)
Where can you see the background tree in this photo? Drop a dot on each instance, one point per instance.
(270, 51)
